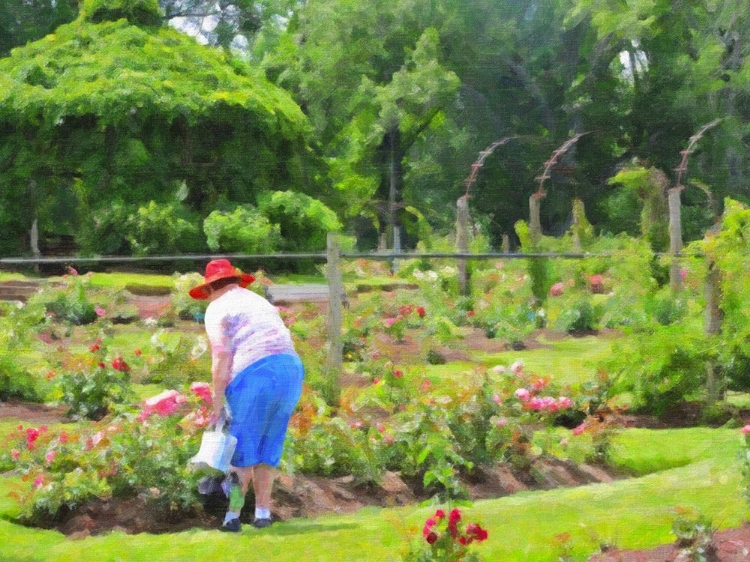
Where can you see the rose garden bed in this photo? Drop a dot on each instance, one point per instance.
(301, 495)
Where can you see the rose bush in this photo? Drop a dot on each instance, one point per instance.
(446, 539)
(90, 383)
(134, 453)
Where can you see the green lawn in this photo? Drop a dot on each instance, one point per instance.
(630, 513)
(566, 361)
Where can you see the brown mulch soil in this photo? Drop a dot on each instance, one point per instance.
(731, 545)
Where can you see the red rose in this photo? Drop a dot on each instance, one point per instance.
(476, 532)
(119, 364)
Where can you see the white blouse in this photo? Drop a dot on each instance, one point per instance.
(247, 326)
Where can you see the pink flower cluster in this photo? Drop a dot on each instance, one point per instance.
(542, 403)
(202, 390)
(596, 284)
(557, 289)
(163, 404)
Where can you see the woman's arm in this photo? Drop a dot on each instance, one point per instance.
(221, 367)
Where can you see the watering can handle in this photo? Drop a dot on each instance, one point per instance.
(223, 418)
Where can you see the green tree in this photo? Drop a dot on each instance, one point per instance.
(130, 111)
(29, 20)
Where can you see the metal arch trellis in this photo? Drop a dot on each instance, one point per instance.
(468, 182)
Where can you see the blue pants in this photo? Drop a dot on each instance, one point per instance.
(261, 400)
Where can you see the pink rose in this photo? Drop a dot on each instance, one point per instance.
(556, 290)
(202, 390)
(163, 404)
(579, 429)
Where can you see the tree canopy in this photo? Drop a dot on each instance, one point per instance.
(379, 109)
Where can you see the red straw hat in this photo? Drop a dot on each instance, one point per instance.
(219, 269)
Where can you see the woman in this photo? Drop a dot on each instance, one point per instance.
(256, 369)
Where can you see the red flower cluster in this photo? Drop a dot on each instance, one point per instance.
(473, 531)
(407, 309)
(32, 434)
(118, 364)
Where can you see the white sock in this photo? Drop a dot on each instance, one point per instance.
(262, 513)
(231, 515)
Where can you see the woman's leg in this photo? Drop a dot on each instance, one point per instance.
(239, 484)
(263, 477)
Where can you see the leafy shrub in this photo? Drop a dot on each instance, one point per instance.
(15, 380)
(579, 317)
(421, 444)
(694, 532)
(90, 384)
(245, 229)
(162, 228)
(18, 330)
(745, 456)
(68, 301)
(304, 222)
(175, 361)
(333, 447)
(152, 228)
(666, 308)
(137, 12)
(663, 370)
(185, 306)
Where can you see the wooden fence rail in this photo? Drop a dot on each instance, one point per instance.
(333, 292)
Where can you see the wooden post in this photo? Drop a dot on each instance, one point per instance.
(335, 299)
(535, 220)
(713, 318)
(462, 241)
(396, 248)
(675, 236)
(506, 244)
